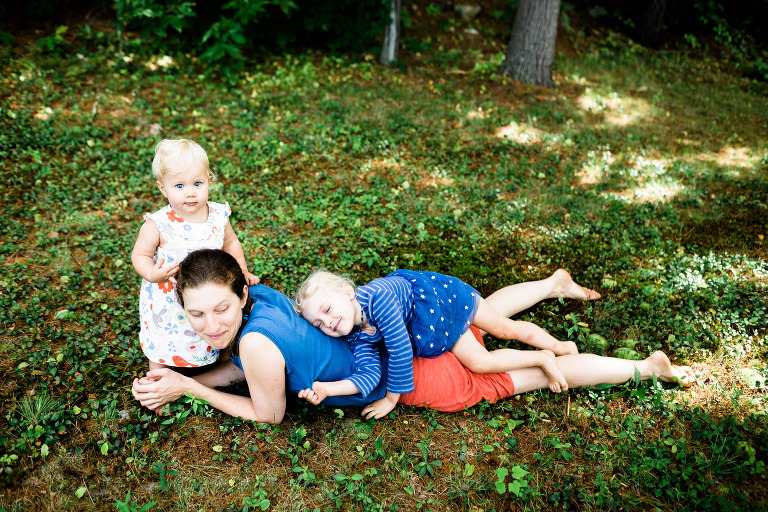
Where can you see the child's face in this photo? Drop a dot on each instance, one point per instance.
(335, 312)
(187, 192)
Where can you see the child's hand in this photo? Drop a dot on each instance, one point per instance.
(158, 274)
(310, 396)
(250, 278)
(317, 394)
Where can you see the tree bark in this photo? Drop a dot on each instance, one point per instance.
(391, 35)
(531, 49)
(651, 23)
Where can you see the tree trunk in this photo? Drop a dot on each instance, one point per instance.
(531, 48)
(391, 35)
(651, 22)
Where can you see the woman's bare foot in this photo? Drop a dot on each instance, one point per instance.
(661, 366)
(566, 287)
(557, 382)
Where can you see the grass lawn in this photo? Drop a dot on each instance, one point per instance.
(643, 173)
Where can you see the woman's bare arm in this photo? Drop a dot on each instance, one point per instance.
(264, 371)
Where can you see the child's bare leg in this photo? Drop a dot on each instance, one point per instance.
(590, 369)
(518, 297)
(477, 359)
(488, 320)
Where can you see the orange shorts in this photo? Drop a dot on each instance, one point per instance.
(445, 385)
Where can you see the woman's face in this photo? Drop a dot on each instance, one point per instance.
(215, 313)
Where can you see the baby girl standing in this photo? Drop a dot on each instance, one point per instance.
(189, 222)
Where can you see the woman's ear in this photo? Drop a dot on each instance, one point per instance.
(245, 296)
(348, 291)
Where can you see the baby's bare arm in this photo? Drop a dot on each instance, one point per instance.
(233, 246)
(144, 251)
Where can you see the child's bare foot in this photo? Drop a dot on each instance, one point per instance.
(564, 348)
(567, 288)
(557, 382)
(661, 366)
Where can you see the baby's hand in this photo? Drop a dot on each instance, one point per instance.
(250, 278)
(158, 274)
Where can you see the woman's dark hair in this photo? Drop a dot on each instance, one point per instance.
(212, 266)
(209, 266)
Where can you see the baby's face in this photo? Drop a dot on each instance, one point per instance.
(335, 312)
(187, 192)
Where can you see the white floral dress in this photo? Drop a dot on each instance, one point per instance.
(166, 336)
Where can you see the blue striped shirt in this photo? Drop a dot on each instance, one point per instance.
(387, 303)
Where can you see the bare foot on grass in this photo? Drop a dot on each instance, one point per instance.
(567, 288)
(668, 372)
(557, 382)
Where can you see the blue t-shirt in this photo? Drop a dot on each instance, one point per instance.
(309, 354)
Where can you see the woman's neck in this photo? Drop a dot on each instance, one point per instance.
(234, 346)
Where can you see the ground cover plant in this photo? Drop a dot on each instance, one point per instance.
(643, 173)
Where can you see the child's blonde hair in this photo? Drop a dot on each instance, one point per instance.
(318, 279)
(177, 155)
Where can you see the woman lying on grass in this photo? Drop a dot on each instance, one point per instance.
(278, 353)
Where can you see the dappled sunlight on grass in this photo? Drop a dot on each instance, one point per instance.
(645, 179)
(160, 62)
(380, 164)
(476, 114)
(437, 177)
(653, 192)
(616, 110)
(521, 133)
(732, 159)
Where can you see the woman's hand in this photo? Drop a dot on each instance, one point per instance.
(158, 388)
(381, 407)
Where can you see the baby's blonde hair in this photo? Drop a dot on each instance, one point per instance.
(177, 155)
(318, 279)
